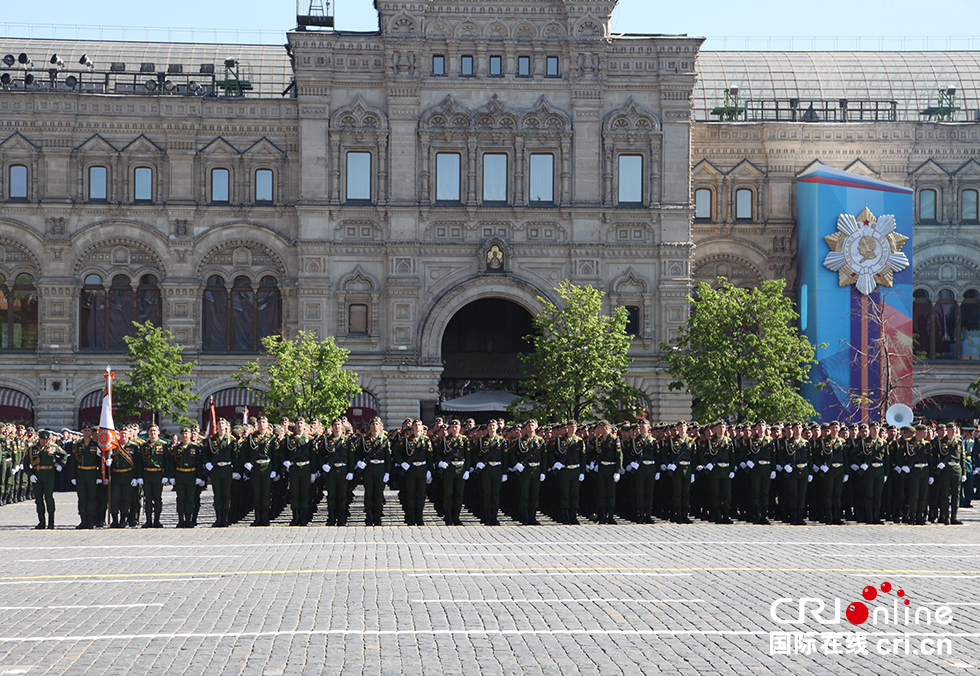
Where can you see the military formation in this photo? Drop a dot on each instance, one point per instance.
(797, 473)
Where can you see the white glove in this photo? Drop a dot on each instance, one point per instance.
(480, 465)
(742, 465)
(772, 475)
(700, 467)
(977, 470)
(519, 467)
(854, 468)
(616, 478)
(58, 468)
(139, 481)
(326, 468)
(208, 466)
(248, 466)
(664, 467)
(898, 469)
(581, 477)
(656, 477)
(98, 452)
(466, 476)
(361, 464)
(731, 475)
(74, 482)
(287, 464)
(864, 466)
(166, 481)
(273, 476)
(885, 479)
(824, 469)
(671, 467)
(443, 464)
(635, 466)
(693, 477)
(134, 483)
(350, 476)
(108, 463)
(906, 469)
(15, 470)
(199, 482)
(557, 465)
(173, 482)
(750, 464)
(33, 479)
(809, 478)
(788, 469)
(428, 477)
(313, 478)
(236, 476)
(406, 466)
(503, 478)
(963, 479)
(710, 466)
(815, 468)
(845, 478)
(541, 477)
(385, 478)
(98, 482)
(939, 466)
(932, 480)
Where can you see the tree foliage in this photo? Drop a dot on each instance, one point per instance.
(579, 358)
(303, 376)
(740, 354)
(158, 378)
(973, 398)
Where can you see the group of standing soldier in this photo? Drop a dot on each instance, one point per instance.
(793, 472)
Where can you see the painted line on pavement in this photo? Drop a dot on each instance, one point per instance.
(563, 574)
(128, 558)
(550, 601)
(105, 607)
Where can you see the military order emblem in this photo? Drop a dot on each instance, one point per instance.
(866, 251)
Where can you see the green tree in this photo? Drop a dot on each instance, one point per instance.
(304, 376)
(579, 359)
(973, 398)
(158, 378)
(740, 354)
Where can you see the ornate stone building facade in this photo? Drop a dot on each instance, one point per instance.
(371, 186)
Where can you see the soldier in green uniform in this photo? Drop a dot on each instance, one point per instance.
(338, 465)
(123, 480)
(5, 464)
(828, 459)
(950, 470)
(261, 462)
(918, 482)
(567, 459)
(794, 458)
(188, 466)
(415, 459)
(135, 445)
(679, 451)
(758, 453)
(527, 453)
(608, 462)
(641, 457)
(716, 457)
(42, 462)
(155, 470)
(868, 464)
(88, 474)
(374, 461)
(299, 456)
(452, 456)
(220, 455)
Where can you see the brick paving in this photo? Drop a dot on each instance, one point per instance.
(625, 599)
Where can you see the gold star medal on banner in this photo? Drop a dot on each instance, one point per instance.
(866, 251)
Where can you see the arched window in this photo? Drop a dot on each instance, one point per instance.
(106, 316)
(743, 204)
(921, 321)
(18, 313)
(17, 185)
(927, 206)
(970, 325)
(236, 319)
(702, 204)
(969, 200)
(944, 326)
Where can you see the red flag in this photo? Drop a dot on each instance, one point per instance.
(213, 424)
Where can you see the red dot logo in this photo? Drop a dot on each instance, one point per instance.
(886, 587)
(857, 613)
(906, 601)
(869, 593)
(900, 592)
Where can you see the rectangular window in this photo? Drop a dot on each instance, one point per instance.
(495, 177)
(553, 70)
(524, 66)
(927, 206)
(143, 184)
(358, 319)
(542, 178)
(630, 179)
(496, 66)
(359, 176)
(968, 211)
(702, 204)
(219, 185)
(633, 320)
(438, 65)
(263, 185)
(466, 66)
(743, 205)
(447, 177)
(18, 182)
(98, 183)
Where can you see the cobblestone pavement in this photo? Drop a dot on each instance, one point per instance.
(623, 599)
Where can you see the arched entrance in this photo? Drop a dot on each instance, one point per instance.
(16, 407)
(481, 351)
